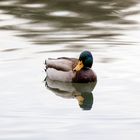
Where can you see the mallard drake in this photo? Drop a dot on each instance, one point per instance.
(71, 69)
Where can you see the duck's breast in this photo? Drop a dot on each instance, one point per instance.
(85, 76)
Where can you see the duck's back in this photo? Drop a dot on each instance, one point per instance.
(62, 63)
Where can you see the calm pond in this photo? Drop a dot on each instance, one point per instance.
(34, 30)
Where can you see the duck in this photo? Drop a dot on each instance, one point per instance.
(73, 70)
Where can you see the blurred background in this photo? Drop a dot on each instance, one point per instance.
(31, 31)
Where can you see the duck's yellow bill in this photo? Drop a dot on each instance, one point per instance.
(80, 99)
(79, 66)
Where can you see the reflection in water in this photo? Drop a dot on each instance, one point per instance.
(81, 92)
(51, 22)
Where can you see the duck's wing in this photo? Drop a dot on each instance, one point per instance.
(61, 64)
(61, 69)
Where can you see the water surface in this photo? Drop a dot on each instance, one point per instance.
(31, 31)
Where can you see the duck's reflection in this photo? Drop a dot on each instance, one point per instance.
(81, 92)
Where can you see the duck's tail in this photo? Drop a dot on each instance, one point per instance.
(46, 65)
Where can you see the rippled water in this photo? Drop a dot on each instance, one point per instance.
(31, 31)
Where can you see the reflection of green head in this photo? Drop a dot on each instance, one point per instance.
(87, 102)
(85, 98)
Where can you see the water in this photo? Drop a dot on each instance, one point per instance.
(31, 31)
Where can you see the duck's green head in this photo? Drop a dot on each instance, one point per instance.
(85, 61)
